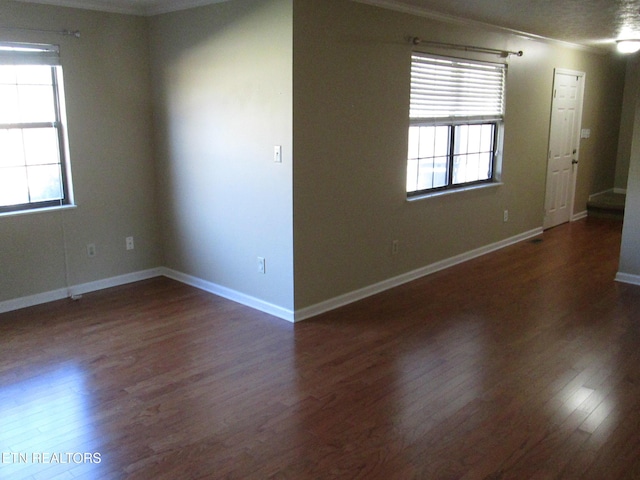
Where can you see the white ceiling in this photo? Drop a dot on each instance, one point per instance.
(590, 23)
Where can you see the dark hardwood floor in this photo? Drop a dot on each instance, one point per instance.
(521, 364)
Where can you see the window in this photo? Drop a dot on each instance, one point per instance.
(456, 115)
(33, 147)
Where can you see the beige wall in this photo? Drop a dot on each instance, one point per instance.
(627, 122)
(329, 81)
(629, 268)
(106, 76)
(223, 83)
(351, 91)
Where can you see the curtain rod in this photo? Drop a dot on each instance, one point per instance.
(467, 48)
(65, 33)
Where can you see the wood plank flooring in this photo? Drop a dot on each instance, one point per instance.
(521, 364)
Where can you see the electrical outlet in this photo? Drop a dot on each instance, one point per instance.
(129, 243)
(262, 265)
(505, 216)
(91, 250)
(394, 247)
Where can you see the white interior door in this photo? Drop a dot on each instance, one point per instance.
(564, 140)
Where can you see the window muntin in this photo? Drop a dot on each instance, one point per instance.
(33, 160)
(456, 112)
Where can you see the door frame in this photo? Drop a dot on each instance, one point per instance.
(577, 130)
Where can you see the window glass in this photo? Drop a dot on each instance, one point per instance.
(456, 109)
(33, 164)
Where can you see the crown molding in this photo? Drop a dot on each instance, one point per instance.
(168, 6)
(451, 19)
(97, 5)
(125, 7)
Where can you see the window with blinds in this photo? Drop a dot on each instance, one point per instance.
(33, 146)
(456, 113)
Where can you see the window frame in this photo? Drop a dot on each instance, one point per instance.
(22, 54)
(452, 119)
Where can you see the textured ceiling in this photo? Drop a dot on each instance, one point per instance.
(583, 22)
(591, 23)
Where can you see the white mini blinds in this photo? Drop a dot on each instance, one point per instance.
(456, 89)
(455, 123)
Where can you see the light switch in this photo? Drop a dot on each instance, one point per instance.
(277, 153)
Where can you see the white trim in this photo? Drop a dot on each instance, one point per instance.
(576, 135)
(96, 5)
(365, 292)
(628, 278)
(621, 191)
(114, 281)
(168, 6)
(230, 294)
(31, 211)
(261, 305)
(52, 296)
(31, 300)
(129, 8)
(597, 194)
(579, 216)
(453, 191)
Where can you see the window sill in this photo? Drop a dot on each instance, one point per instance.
(453, 191)
(37, 210)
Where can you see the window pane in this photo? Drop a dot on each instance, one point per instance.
(7, 75)
(44, 183)
(462, 139)
(471, 162)
(11, 151)
(9, 113)
(474, 140)
(414, 142)
(442, 140)
(440, 171)
(13, 186)
(41, 146)
(412, 175)
(36, 103)
(487, 138)
(34, 75)
(427, 165)
(465, 168)
(432, 173)
(485, 165)
(427, 141)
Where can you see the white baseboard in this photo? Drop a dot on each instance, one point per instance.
(597, 194)
(365, 292)
(31, 300)
(40, 298)
(628, 278)
(622, 191)
(275, 310)
(578, 216)
(114, 281)
(230, 294)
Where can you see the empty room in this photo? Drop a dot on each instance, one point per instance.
(319, 239)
